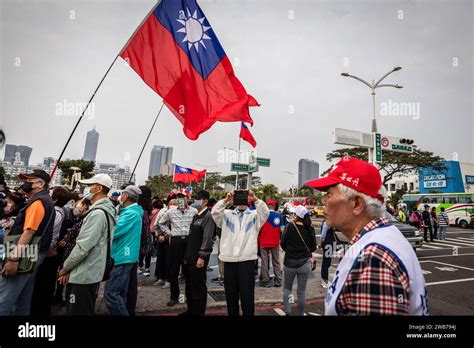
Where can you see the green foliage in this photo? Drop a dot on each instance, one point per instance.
(87, 168)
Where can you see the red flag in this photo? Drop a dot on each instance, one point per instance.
(176, 52)
(187, 175)
(247, 136)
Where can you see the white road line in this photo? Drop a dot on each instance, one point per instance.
(279, 311)
(315, 314)
(449, 264)
(461, 242)
(470, 240)
(430, 247)
(441, 256)
(446, 244)
(450, 281)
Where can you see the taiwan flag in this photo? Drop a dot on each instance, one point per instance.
(187, 175)
(177, 54)
(246, 135)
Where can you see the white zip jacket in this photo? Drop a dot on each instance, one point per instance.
(239, 234)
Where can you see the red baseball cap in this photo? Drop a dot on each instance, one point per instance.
(354, 173)
(271, 202)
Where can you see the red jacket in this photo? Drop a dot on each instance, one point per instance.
(270, 232)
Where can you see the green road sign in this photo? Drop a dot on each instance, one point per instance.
(263, 162)
(239, 167)
(378, 147)
(253, 167)
(402, 148)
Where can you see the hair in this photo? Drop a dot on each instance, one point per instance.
(105, 189)
(211, 202)
(61, 195)
(373, 206)
(144, 200)
(157, 204)
(131, 197)
(18, 200)
(75, 196)
(442, 209)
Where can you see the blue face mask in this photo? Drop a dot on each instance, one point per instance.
(197, 203)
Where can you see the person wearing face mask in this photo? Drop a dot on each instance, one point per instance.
(125, 251)
(238, 250)
(35, 219)
(196, 259)
(84, 268)
(180, 221)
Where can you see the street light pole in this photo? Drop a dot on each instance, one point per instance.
(238, 160)
(373, 86)
(205, 174)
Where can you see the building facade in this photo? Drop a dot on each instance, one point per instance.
(120, 176)
(307, 170)
(160, 156)
(90, 148)
(17, 153)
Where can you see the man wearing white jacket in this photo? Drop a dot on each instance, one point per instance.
(238, 250)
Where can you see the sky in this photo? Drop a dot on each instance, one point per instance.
(288, 54)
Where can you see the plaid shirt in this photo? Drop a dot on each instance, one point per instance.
(180, 221)
(377, 284)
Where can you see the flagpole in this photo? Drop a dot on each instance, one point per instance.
(146, 141)
(93, 95)
(238, 161)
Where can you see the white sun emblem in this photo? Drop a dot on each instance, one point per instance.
(276, 221)
(194, 29)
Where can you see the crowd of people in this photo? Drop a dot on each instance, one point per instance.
(61, 245)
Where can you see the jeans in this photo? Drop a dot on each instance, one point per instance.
(442, 232)
(116, 289)
(16, 292)
(302, 275)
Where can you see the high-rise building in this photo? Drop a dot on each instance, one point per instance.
(159, 157)
(17, 153)
(307, 170)
(90, 149)
(49, 162)
(120, 176)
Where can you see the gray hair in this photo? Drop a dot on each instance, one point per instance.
(373, 206)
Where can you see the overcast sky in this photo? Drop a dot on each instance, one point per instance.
(290, 55)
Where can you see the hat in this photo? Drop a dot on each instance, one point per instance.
(271, 202)
(100, 179)
(133, 190)
(299, 210)
(37, 173)
(115, 194)
(203, 194)
(353, 173)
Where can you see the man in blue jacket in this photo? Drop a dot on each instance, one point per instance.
(125, 250)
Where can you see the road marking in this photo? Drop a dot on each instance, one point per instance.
(279, 311)
(448, 264)
(462, 242)
(316, 314)
(446, 244)
(450, 281)
(440, 256)
(470, 240)
(431, 247)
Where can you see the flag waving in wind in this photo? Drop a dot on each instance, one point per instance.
(246, 135)
(176, 52)
(187, 175)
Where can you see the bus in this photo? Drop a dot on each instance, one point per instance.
(458, 206)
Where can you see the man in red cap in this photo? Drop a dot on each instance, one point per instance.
(269, 244)
(380, 273)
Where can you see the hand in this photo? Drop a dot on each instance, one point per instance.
(62, 272)
(200, 263)
(252, 196)
(63, 280)
(10, 269)
(62, 243)
(229, 197)
(161, 238)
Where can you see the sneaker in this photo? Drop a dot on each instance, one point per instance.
(277, 283)
(325, 283)
(146, 273)
(216, 280)
(265, 284)
(160, 282)
(209, 269)
(171, 303)
(140, 270)
(166, 286)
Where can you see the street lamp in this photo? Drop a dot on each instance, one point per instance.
(292, 182)
(205, 174)
(373, 86)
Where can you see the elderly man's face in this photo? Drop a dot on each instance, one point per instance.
(337, 210)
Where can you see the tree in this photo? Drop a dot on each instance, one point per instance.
(393, 163)
(87, 168)
(160, 185)
(268, 191)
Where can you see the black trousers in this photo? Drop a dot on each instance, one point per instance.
(145, 260)
(162, 264)
(176, 253)
(132, 293)
(327, 258)
(196, 288)
(81, 299)
(426, 232)
(239, 283)
(45, 284)
(435, 232)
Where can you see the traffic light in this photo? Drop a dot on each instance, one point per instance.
(407, 141)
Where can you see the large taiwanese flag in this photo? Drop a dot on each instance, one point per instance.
(176, 52)
(187, 175)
